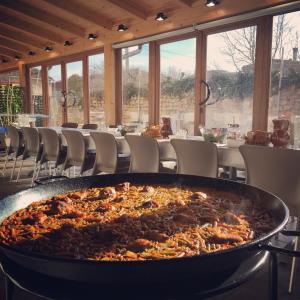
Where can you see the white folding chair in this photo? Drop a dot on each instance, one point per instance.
(196, 157)
(32, 149)
(77, 154)
(107, 158)
(277, 171)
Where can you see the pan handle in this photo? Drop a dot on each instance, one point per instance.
(274, 249)
(290, 232)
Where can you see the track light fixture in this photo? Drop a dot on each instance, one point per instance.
(48, 48)
(161, 17)
(211, 3)
(17, 57)
(92, 36)
(122, 28)
(31, 53)
(68, 43)
(4, 61)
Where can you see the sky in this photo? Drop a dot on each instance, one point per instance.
(181, 54)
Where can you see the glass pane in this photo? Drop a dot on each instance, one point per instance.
(177, 83)
(135, 64)
(55, 96)
(96, 85)
(75, 92)
(285, 73)
(230, 65)
(36, 89)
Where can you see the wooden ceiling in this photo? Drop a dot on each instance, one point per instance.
(34, 24)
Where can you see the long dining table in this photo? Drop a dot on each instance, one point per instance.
(228, 156)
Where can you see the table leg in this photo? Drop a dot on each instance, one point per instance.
(273, 274)
(9, 288)
(232, 173)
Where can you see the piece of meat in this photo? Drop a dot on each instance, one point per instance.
(198, 196)
(104, 207)
(139, 245)
(184, 219)
(60, 207)
(148, 189)
(150, 204)
(108, 192)
(35, 218)
(227, 237)
(155, 235)
(106, 235)
(123, 187)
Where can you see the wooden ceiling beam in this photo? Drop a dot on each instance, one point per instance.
(21, 37)
(13, 45)
(130, 8)
(8, 53)
(187, 3)
(83, 12)
(31, 28)
(43, 16)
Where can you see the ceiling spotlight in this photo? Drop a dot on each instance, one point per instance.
(92, 36)
(68, 43)
(211, 3)
(17, 57)
(48, 48)
(31, 53)
(161, 17)
(3, 60)
(122, 28)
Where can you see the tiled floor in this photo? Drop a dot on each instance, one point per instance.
(255, 289)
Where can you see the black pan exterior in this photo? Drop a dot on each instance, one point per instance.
(206, 268)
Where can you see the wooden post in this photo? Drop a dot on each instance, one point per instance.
(261, 90)
(24, 82)
(45, 94)
(154, 82)
(86, 88)
(110, 85)
(200, 90)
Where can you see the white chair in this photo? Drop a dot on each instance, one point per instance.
(52, 150)
(15, 148)
(277, 171)
(77, 154)
(107, 158)
(144, 153)
(32, 149)
(196, 157)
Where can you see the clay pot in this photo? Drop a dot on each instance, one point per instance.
(166, 129)
(281, 124)
(280, 137)
(258, 137)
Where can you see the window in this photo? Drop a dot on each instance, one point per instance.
(10, 77)
(10, 96)
(230, 74)
(96, 88)
(55, 95)
(36, 87)
(75, 92)
(285, 73)
(177, 83)
(135, 70)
